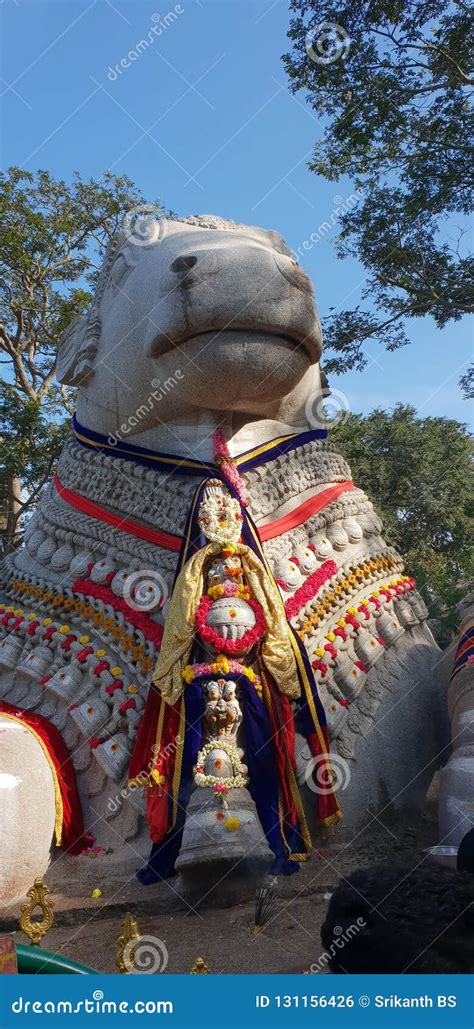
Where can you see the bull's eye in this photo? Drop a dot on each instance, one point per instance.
(119, 271)
(184, 263)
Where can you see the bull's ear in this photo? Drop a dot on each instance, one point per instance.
(77, 351)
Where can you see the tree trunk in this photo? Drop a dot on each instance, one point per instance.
(10, 516)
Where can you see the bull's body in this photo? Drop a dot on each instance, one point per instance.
(209, 325)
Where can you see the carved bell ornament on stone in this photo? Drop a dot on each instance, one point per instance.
(36, 663)
(353, 530)
(367, 647)
(337, 536)
(229, 836)
(419, 606)
(113, 756)
(322, 547)
(336, 713)
(101, 570)
(10, 650)
(218, 763)
(349, 677)
(80, 563)
(66, 683)
(405, 612)
(46, 550)
(91, 718)
(388, 627)
(62, 557)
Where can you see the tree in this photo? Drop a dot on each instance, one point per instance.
(30, 443)
(390, 82)
(52, 238)
(417, 472)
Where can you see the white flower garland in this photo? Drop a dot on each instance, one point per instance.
(220, 517)
(239, 779)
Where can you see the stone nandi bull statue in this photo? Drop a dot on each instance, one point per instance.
(456, 796)
(197, 325)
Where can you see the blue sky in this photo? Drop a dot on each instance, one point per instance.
(202, 118)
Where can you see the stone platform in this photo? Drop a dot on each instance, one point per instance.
(87, 929)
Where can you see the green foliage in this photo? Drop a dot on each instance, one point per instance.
(52, 239)
(417, 472)
(397, 122)
(30, 443)
(28, 437)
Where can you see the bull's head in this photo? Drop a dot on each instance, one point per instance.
(221, 311)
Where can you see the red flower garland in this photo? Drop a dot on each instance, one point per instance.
(84, 654)
(103, 666)
(116, 685)
(67, 643)
(309, 589)
(210, 635)
(128, 705)
(150, 629)
(228, 466)
(320, 666)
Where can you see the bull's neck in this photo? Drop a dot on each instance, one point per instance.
(198, 442)
(153, 499)
(194, 438)
(160, 495)
(188, 431)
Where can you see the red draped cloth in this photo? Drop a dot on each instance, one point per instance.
(153, 760)
(69, 826)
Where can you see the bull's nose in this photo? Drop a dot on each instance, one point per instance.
(183, 263)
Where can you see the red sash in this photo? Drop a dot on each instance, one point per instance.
(69, 824)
